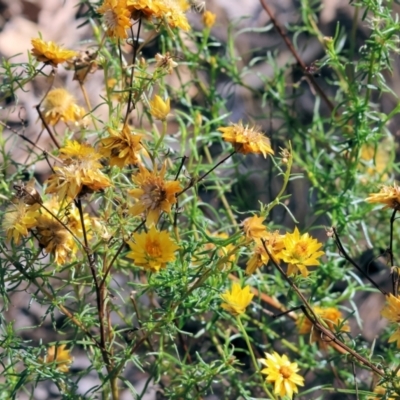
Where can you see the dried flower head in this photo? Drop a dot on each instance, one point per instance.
(282, 373)
(159, 108)
(59, 356)
(152, 250)
(121, 147)
(237, 299)
(247, 140)
(50, 53)
(300, 252)
(166, 62)
(60, 105)
(388, 195)
(154, 194)
(333, 319)
(117, 18)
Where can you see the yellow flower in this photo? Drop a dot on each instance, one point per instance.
(274, 243)
(237, 299)
(59, 105)
(282, 373)
(166, 62)
(154, 194)
(49, 52)
(300, 252)
(117, 18)
(52, 234)
(383, 390)
(388, 195)
(159, 108)
(18, 219)
(171, 12)
(391, 311)
(209, 19)
(152, 250)
(80, 172)
(122, 147)
(332, 318)
(247, 140)
(254, 228)
(58, 355)
(374, 161)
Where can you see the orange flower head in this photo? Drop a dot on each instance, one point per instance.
(300, 252)
(153, 194)
(247, 140)
(50, 53)
(117, 18)
(237, 299)
(388, 195)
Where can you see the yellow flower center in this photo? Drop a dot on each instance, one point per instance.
(300, 249)
(153, 248)
(285, 372)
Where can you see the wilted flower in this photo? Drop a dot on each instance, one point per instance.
(247, 140)
(254, 228)
(49, 52)
(282, 373)
(388, 195)
(166, 62)
(237, 299)
(300, 252)
(152, 250)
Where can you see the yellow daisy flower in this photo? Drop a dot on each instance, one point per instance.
(50, 53)
(282, 373)
(332, 318)
(254, 228)
(391, 311)
(237, 299)
(388, 195)
(152, 250)
(60, 356)
(154, 194)
(18, 219)
(159, 108)
(117, 18)
(121, 147)
(247, 140)
(274, 243)
(60, 105)
(300, 252)
(209, 19)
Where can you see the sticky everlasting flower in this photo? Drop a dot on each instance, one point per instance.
(300, 252)
(154, 194)
(282, 373)
(152, 250)
(60, 105)
(247, 140)
(59, 356)
(49, 52)
(391, 312)
(388, 195)
(122, 147)
(254, 228)
(237, 299)
(209, 19)
(159, 108)
(116, 18)
(333, 319)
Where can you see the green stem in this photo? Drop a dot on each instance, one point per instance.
(256, 367)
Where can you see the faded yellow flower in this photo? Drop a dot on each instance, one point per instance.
(159, 108)
(154, 194)
(254, 228)
(121, 147)
(60, 105)
(282, 373)
(152, 250)
(59, 356)
(209, 19)
(80, 172)
(333, 319)
(388, 195)
(374, 161)
(247, 140)
(273, 242)
(117, 18)
(50, 53)
(166, 62)
(18, 219)
(237, 299)
(300, 252)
